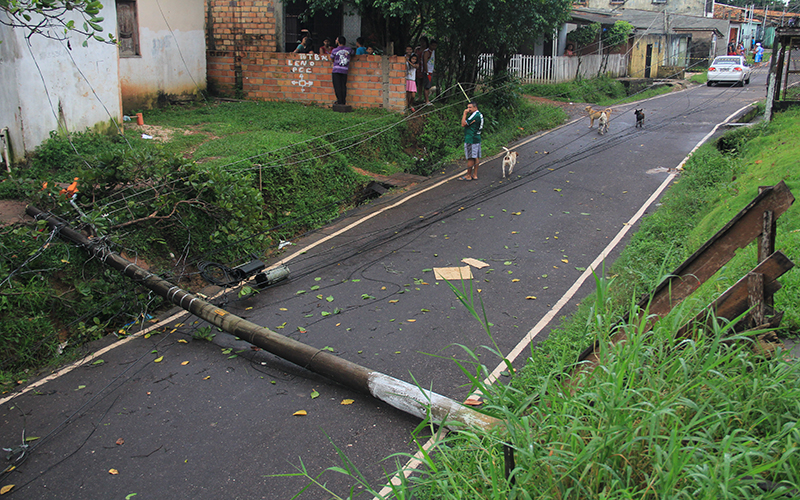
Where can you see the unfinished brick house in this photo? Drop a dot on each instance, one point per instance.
(249, 44)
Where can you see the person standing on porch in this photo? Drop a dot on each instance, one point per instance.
(341, 57)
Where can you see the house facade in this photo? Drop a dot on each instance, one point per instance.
(162, 56)
(59, 85)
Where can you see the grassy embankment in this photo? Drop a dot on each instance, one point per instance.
(702, 418)
(218, 182)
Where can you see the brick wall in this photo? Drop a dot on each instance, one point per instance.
(373, 81)
(249, 25)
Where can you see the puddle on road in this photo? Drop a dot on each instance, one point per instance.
(658, 170)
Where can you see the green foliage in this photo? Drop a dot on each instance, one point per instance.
(584, 35)
(593, 90)
(34, 15)
(617, 34)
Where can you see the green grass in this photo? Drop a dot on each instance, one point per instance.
(699, 78)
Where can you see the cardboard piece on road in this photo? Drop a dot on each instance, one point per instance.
(479, 264)
(453, 273)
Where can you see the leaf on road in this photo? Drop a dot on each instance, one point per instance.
(158, 359)
(280, 327)
(507, 263)
(565, 261)
(128, 497)
(581, 269)
(327, 348)
(98, 362)
(31, 438)
(584, 213)
(530, 297)
(317, 279)
(347, 401)
(207, 377)
(282, 309)
(314, 394)
(319, 296)
(394, 301)
(302, 330)
(517, 213)
(299, 292)
(184, 363)
(557, 190)
(113, 472)
(533, 191)
(325, 313)
(120, 441)
(411, 320)
(5, 489)
(515, 280)
(80, 387)
(329, 298)
(366, 296)
(300, 413)
(183, 341)
(315, 288)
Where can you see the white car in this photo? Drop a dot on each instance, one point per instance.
(729, 69)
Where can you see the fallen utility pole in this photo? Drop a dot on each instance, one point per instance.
(397, 393)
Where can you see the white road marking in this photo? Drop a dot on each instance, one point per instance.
(416, 460)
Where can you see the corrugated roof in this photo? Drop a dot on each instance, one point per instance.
(652, 22)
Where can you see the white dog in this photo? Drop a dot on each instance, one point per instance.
(509, 161)
(602, 127)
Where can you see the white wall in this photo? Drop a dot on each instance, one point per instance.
(173, 53)
(48, 80)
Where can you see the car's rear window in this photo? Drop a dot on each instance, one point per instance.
(727, 60)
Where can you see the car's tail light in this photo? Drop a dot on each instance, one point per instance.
(712, 68)
(737, 68)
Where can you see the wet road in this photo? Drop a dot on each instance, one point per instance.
(222, 425)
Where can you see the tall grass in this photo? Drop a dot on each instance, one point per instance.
(660, 417)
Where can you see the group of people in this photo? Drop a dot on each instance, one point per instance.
(739, 49)
(420, 64)
(341, 55)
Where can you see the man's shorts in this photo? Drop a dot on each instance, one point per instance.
(472, 150)
(428, 81)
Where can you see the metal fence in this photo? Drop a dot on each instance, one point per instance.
(548, 69)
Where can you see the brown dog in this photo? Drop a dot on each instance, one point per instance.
(594, 114)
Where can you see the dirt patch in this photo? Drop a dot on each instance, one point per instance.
(12, 212)
(157, 133)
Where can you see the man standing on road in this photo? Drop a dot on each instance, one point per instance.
(341, 57)
(472, 121)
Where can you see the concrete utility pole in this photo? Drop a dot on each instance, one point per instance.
(397, 393)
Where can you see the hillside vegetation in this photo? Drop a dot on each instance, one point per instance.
(220, 182)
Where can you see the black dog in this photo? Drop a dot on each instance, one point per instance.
(639, 117)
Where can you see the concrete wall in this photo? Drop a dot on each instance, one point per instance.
(173, 56)
(76, 89)
(691, 7)
(373, 81)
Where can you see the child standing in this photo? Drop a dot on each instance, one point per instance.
(411, 80)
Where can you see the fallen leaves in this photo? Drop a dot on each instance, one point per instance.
(300, 413)
(5, 489)
(158, 359)
(347, 401)
(113, 472)
(184, 363)
(314, 394)
(530, 297)
(182, 341)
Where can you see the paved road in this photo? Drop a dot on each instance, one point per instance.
(222, 425)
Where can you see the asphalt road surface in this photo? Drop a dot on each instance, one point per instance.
(222, 425)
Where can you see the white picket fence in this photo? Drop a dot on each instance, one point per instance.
(548, 69)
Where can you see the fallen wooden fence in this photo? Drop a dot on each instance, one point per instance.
(753, 292)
